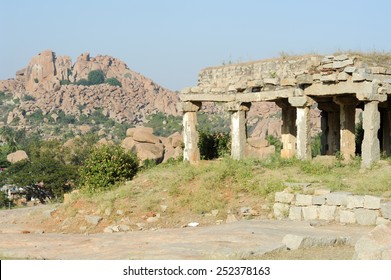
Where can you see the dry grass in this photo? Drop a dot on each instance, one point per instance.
(190, 193)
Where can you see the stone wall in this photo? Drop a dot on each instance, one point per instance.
(353, 74)
(340, 207)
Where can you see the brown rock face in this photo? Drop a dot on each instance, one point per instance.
(46, 76)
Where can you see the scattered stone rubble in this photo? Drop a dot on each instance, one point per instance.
(341, 207)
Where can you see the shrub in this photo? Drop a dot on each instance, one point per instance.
(65, 82)
(96, 77)
(113, 82)
(214, 145)
(82, 82)
(4, 201)
(107, 166)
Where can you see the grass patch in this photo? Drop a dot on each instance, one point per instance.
(190, 192)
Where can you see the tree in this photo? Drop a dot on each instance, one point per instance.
(45, 175)
(113, 82)
(107, 166)
(96, 77)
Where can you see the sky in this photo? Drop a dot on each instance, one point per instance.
(170, 41)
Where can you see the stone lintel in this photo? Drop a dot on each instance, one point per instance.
(189, 106)
(243, 97)
(301, 101)
(237, 106)
(345, 100)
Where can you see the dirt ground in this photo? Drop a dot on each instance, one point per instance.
(25, 234)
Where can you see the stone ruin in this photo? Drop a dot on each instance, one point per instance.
(337, 85)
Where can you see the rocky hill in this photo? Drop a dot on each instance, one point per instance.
(49, 84)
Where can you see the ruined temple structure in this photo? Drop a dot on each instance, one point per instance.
(337, 85)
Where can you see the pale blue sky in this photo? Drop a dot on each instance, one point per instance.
(170, 41)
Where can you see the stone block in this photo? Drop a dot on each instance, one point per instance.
(366, 217)
(355, 201)
(385, 209)
(303, 200)
(371, 202)
(327, 212)
(295, 213)
(342, 76)
(280, 210)
(329, 78)
(337, 198)
(318, 200)
(376, 245)
(257, 142)
(382, 221)
(321, 191)
(310, 213)
(294, 242)
(342, 64)
(341, 57)
(350, 69)
(288, 82)
(284, 197)
(347, 217)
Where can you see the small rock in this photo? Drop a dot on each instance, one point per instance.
(163, 208)
(94, 220)
(140, 225)
(83, 228)
(215, 212)
(152, 219)
(124, 227)
(231, 219)
(108, 212)
(245, 210)
(108, 230)
(120, 212)
(193, 224)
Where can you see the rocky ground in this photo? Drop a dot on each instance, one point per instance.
(26, 234)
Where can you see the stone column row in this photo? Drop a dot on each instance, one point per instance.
(295, 132)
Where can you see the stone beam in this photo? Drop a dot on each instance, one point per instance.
(238, 128)
(370, 149)
(239, 97)
(191, 152)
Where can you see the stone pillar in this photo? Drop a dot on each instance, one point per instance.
(191, 152)
(323, 138)
(303, 138)
(347, 115)
(386, 129)
(333, 127)
(288, 129)
(238, 128)
(370, 149)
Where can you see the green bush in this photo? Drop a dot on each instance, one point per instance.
(83, 82)
(4, 201)
(96, 77)
(214, 144)
(113, 82)
(107, 166)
